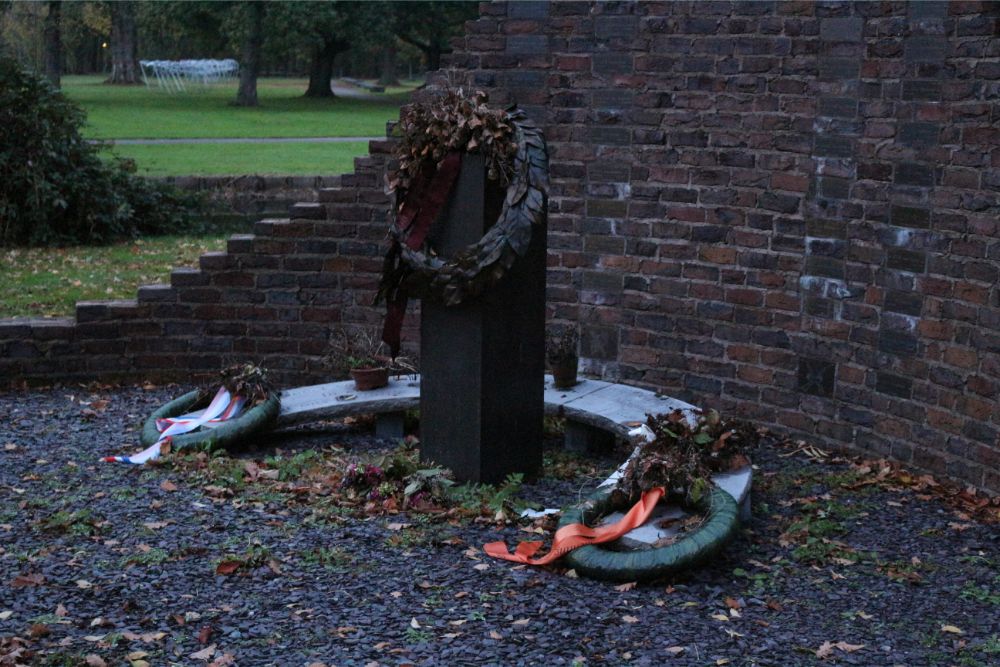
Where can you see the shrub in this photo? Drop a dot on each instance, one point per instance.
(54, 187)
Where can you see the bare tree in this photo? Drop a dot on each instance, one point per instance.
(53, 43)
(124, 44)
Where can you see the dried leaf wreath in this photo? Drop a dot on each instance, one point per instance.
(434, 138)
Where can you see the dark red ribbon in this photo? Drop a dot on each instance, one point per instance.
(423, 204)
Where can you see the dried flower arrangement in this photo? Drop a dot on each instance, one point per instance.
(456, 122)
(682, 457)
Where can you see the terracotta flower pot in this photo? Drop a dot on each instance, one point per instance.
(564, 374)
(366, 379)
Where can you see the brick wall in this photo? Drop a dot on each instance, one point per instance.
(785, 210)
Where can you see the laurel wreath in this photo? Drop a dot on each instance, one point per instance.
(425, 275)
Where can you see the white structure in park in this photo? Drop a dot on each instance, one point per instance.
(172, 75)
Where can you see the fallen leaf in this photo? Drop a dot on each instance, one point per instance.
(865, 616)
(61, 611)
(94, 660)
(228, 567)
(572, 574)
(849, 648)
(720, 617)
(630, 619)
(223, 660)
(39, 630)
(732, 603)
(168, 486)
(521, 622)
(136, 655)
(83, 583)
(495, 635)
(675, 650)
(4, 615)
(204, 634)
(952, 629)
(25, 580)
(825, 650)
(481, 567)
(397, 526)
(621, 588)
(156, 525)
(203, 654)
(414, 623)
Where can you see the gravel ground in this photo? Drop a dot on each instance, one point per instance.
(119, 564)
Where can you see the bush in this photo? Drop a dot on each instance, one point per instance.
(54, 187)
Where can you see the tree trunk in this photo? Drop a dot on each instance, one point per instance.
(433, 53)
(53, 43)
(321, 70)
(388, 76)
(246, 96)
(124, 45)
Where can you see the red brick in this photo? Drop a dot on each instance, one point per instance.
(717, 254)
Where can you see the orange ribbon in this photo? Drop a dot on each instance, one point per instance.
(576, 535)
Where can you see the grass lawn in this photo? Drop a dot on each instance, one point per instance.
(138, 112)
(230, 158)
(46, 282)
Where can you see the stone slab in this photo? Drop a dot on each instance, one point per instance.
(616, 406)
(556, 398)
(340, 399)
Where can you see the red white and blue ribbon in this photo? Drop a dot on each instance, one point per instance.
(222, 408)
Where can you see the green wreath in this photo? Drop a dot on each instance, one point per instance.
(598, 561)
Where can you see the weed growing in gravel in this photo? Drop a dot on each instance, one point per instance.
(329, 558)
(82, 523)
(418, 635)
(154, 556)
(291, 467)
(982, 594)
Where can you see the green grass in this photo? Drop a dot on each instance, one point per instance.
(46, 282)
(239, 158)
(137, 112)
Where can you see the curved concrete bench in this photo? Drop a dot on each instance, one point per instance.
(591, 408)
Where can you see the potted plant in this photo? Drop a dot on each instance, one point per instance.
(562, 357)
(360, 353)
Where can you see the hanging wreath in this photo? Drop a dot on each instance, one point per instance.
(435, 137)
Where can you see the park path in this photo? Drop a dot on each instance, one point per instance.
(241, 140)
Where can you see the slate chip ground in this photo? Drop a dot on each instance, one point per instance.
(906, 579)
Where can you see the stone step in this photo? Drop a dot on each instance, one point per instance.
(338, 195)
(187, 276)
(112, 309)
(307, 211)
(240, 244)
(156, 293)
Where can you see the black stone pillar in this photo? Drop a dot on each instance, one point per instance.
(482, 363)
